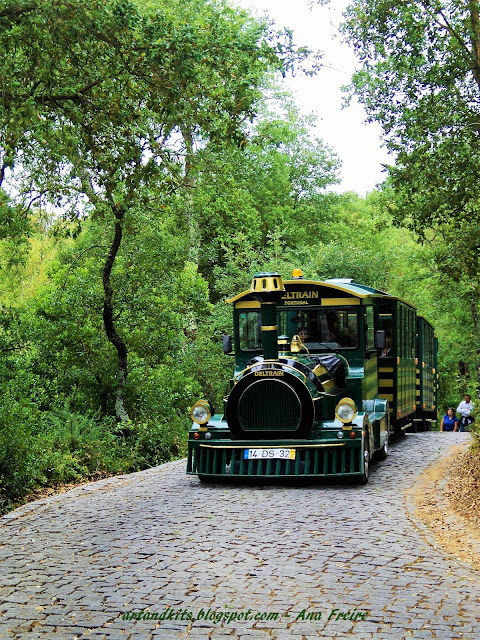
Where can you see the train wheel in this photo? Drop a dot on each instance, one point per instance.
(383, 452)
(365, 461)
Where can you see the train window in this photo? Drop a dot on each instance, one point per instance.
(385, 322)
(428, 345)
(413, 333)
(320, 329)
(401, 331)
(250, 330)
(369, 328)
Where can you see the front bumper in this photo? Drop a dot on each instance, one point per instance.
(313, 459)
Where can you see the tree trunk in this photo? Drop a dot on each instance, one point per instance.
(475, 38)
(112, 335)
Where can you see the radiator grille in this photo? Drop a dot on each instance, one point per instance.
(269, 405)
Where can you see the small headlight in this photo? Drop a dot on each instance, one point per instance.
(340, 434)
(208, 435)
(346, 410)
(201, 411)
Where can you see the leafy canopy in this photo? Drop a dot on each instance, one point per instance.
(420, 78)
(94, 95)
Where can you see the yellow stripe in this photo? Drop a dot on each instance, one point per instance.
(274, 446)
(332, 302)
(385, 383)
(385, 369)
(319, 370)
(269, 327)
(247, 305)
(387, 396)
(328, 384)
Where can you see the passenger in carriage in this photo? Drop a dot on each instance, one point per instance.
(304, 334)
(387, 352)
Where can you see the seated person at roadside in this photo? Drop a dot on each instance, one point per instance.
(465, 409)
(449, 421)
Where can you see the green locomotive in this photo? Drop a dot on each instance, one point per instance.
(325, 373)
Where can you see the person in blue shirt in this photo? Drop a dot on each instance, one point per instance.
(449, 421)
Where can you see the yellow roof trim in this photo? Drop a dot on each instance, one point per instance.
(318, 283)
(338, 302)
(247, 304)
(240, 295)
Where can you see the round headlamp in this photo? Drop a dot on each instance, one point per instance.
(201, 412)
(346, 410)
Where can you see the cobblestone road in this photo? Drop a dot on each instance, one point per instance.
(73, 564)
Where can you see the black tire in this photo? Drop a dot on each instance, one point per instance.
(365, 461)
(207, 479)
(382, 453)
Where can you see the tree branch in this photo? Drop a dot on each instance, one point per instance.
(13, 12)
(45, 99)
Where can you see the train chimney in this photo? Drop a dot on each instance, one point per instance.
(267, 288)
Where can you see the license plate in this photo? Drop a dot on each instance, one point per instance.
(266, 454)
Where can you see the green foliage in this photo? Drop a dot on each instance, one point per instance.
(19, 467)
(50, 447)
(103, 105)
(157, 442)
(253, 202)
(420, 79)
(171, 184)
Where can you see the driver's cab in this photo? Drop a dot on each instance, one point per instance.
(321, 329)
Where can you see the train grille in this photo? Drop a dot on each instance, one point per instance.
(269, 405)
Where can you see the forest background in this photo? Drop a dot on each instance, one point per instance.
(150, 165)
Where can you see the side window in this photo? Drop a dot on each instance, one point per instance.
(413, 333)
(401, 331)
(369, 328)
(385, 322)
(250, 330)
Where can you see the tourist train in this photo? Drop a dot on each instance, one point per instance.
(326, 372)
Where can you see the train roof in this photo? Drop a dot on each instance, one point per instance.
(423, 319)
(346, 285)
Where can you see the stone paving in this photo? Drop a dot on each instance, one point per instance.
(158, 555)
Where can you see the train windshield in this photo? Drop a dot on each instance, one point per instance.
(319, 329)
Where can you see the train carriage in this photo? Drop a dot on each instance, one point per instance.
(325, 372)
(426, 363)
(397, 369)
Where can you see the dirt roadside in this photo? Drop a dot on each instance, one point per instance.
(446, 501)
